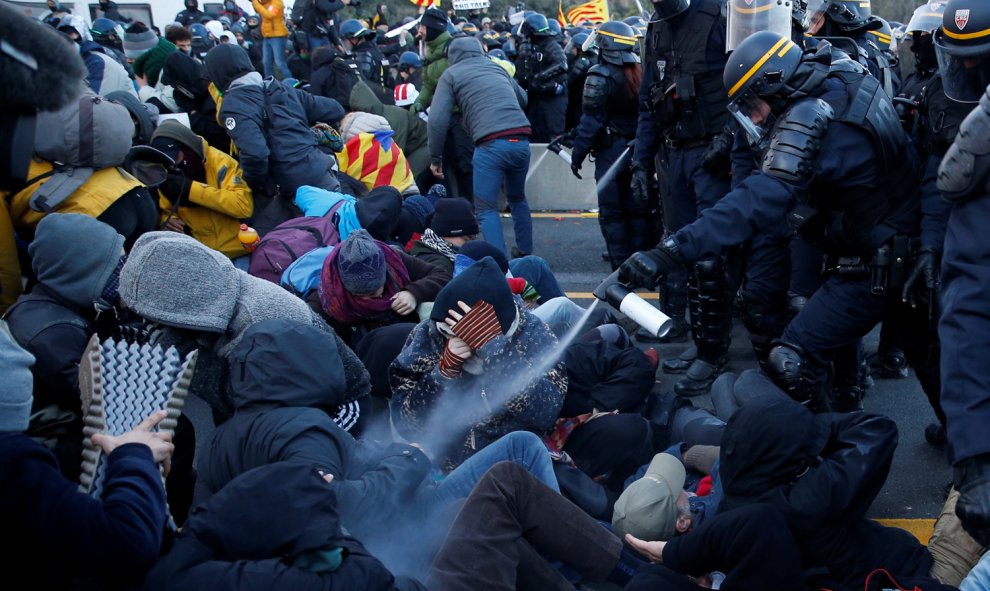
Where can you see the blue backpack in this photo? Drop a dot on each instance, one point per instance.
(303, 276)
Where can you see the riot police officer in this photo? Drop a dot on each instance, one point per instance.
(579, 61)
(545, 78)
(359, 42)
(963, 49)
(682, 119)
(606, 129)
(926, 19)
(836, 164)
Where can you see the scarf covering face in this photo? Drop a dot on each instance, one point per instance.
(438, 244)
(349, 310)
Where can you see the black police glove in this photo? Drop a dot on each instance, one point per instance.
(641, 182)
(971, 478)
(646, 267)
(716, 160)
(923, 280)
(576, 168)
(175, 188)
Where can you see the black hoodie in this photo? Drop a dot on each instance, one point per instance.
(227, 62)
(188, 77)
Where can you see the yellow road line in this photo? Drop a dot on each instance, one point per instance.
(919, 528)
(587, 295)
(564, 214)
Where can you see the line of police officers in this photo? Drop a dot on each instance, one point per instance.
(800, 179)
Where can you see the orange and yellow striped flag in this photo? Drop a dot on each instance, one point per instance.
(375, 160)
(595, 11)
(426, 3)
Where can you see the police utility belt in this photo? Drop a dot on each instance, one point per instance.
(888, 269)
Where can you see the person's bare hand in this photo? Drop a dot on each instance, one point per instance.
(651, 550)
(437, 170)
(176, 225)
(142, 81)
(404, 303)
(458, 347)
(160, 444)
(453, 316)
(328, 478)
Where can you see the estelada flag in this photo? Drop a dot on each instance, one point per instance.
(375, 160)
(595, 11)
(426, 3)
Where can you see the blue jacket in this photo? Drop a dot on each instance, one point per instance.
(60, 532)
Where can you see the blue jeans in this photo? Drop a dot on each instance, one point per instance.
(519, 447)
(274, 50)
(496, 162)
(537, 272)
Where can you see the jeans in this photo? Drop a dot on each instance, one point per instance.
(537, 272)
(562, 314)
(509, 522)
(274, 50)
(496, 162)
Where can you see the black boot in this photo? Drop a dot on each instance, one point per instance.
(848, 399)
(935, 435)
(972, 479)
(888, 365)
(682, 362)
(699, 377)
(714, 322)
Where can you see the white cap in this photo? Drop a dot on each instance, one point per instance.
(405, 94)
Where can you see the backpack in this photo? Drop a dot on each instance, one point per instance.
(89, 134)
(303, 276)
(290, 240)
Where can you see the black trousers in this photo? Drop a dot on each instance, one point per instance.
(508, 523)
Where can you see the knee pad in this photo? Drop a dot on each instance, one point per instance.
(752, 312)
(788, 366)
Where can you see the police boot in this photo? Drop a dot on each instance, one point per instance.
(890, 364)
(699, 377)
(848, 398)
(971, 478)
(798, 375)
(714, 324)
(673, 302)
(682, 362)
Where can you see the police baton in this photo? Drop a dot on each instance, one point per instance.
(620, 163)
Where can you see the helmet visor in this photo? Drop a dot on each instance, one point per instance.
(667, 9)
(611, 41)
(926, 18)
(754, 116)
(752, 16)
(814, 15)
(965, 78)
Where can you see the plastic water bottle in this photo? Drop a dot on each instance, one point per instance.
(248, 237)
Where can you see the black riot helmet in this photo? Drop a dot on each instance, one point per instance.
(668, 9)
(962, 47)
(534, 26)
(616, 41)
(555, 27)
(846, 16)
(755, 74)
(576, 44)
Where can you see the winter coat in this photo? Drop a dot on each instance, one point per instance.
(410, 130)
(59, 532)
(426, 253)
(214, 209)
(317, 14)
(822, 473)
(333, 75)
(105, 74)
(95, 196)
(489, 99)
(256, 534)
(272, 13)
(10, 265)
(433, 67)
(280, 419)
(494, 395)
(605, 377)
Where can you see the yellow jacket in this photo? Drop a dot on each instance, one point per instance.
(94, 197)
(10, 266)
(272, 15)
(219, 204)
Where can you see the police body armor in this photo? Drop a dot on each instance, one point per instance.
(842, 221)
(941, 117)
(687, 99)
(605, 92)
(369, 62)
(545, 67)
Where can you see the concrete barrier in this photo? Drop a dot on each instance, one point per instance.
(552, 187)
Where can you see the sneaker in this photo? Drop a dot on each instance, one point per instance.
(121, 384)
(682, 362)
(699, 378)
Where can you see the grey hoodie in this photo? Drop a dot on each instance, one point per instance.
(490, 100)
(74, 256)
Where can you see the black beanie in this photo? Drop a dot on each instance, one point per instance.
(454, 216)
(435, 22)
(479, 249)
(481, 281)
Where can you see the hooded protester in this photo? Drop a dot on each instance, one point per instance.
(204, 194)
(269, 123)
(64, 535)
(144, 116)
(192, 14)
(295, 543)
(148, 52)
(482, 363)
(106, 75)
(433, 28)
(187, 76)
(111, 11)
(195, 291)
(368, 284)
(453, 225)
(333, 75)
(56, 319)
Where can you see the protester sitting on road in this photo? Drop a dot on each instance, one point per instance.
(60, 532)
(286, 377)
(198, 299)
(481, 365)
(453, 224)
(366, 284)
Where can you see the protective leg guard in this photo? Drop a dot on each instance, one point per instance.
(794, 372)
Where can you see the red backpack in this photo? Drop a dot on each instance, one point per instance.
(290, 240)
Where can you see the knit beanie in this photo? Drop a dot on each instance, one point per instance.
(173, 279)
(16, 395)
(420, 208)
(357, 122)
(482, 281)
(435, 22)
(361, 264)
(479, 249)
(138, 39)
(436, 193)
(150, 63)
(454, 216)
